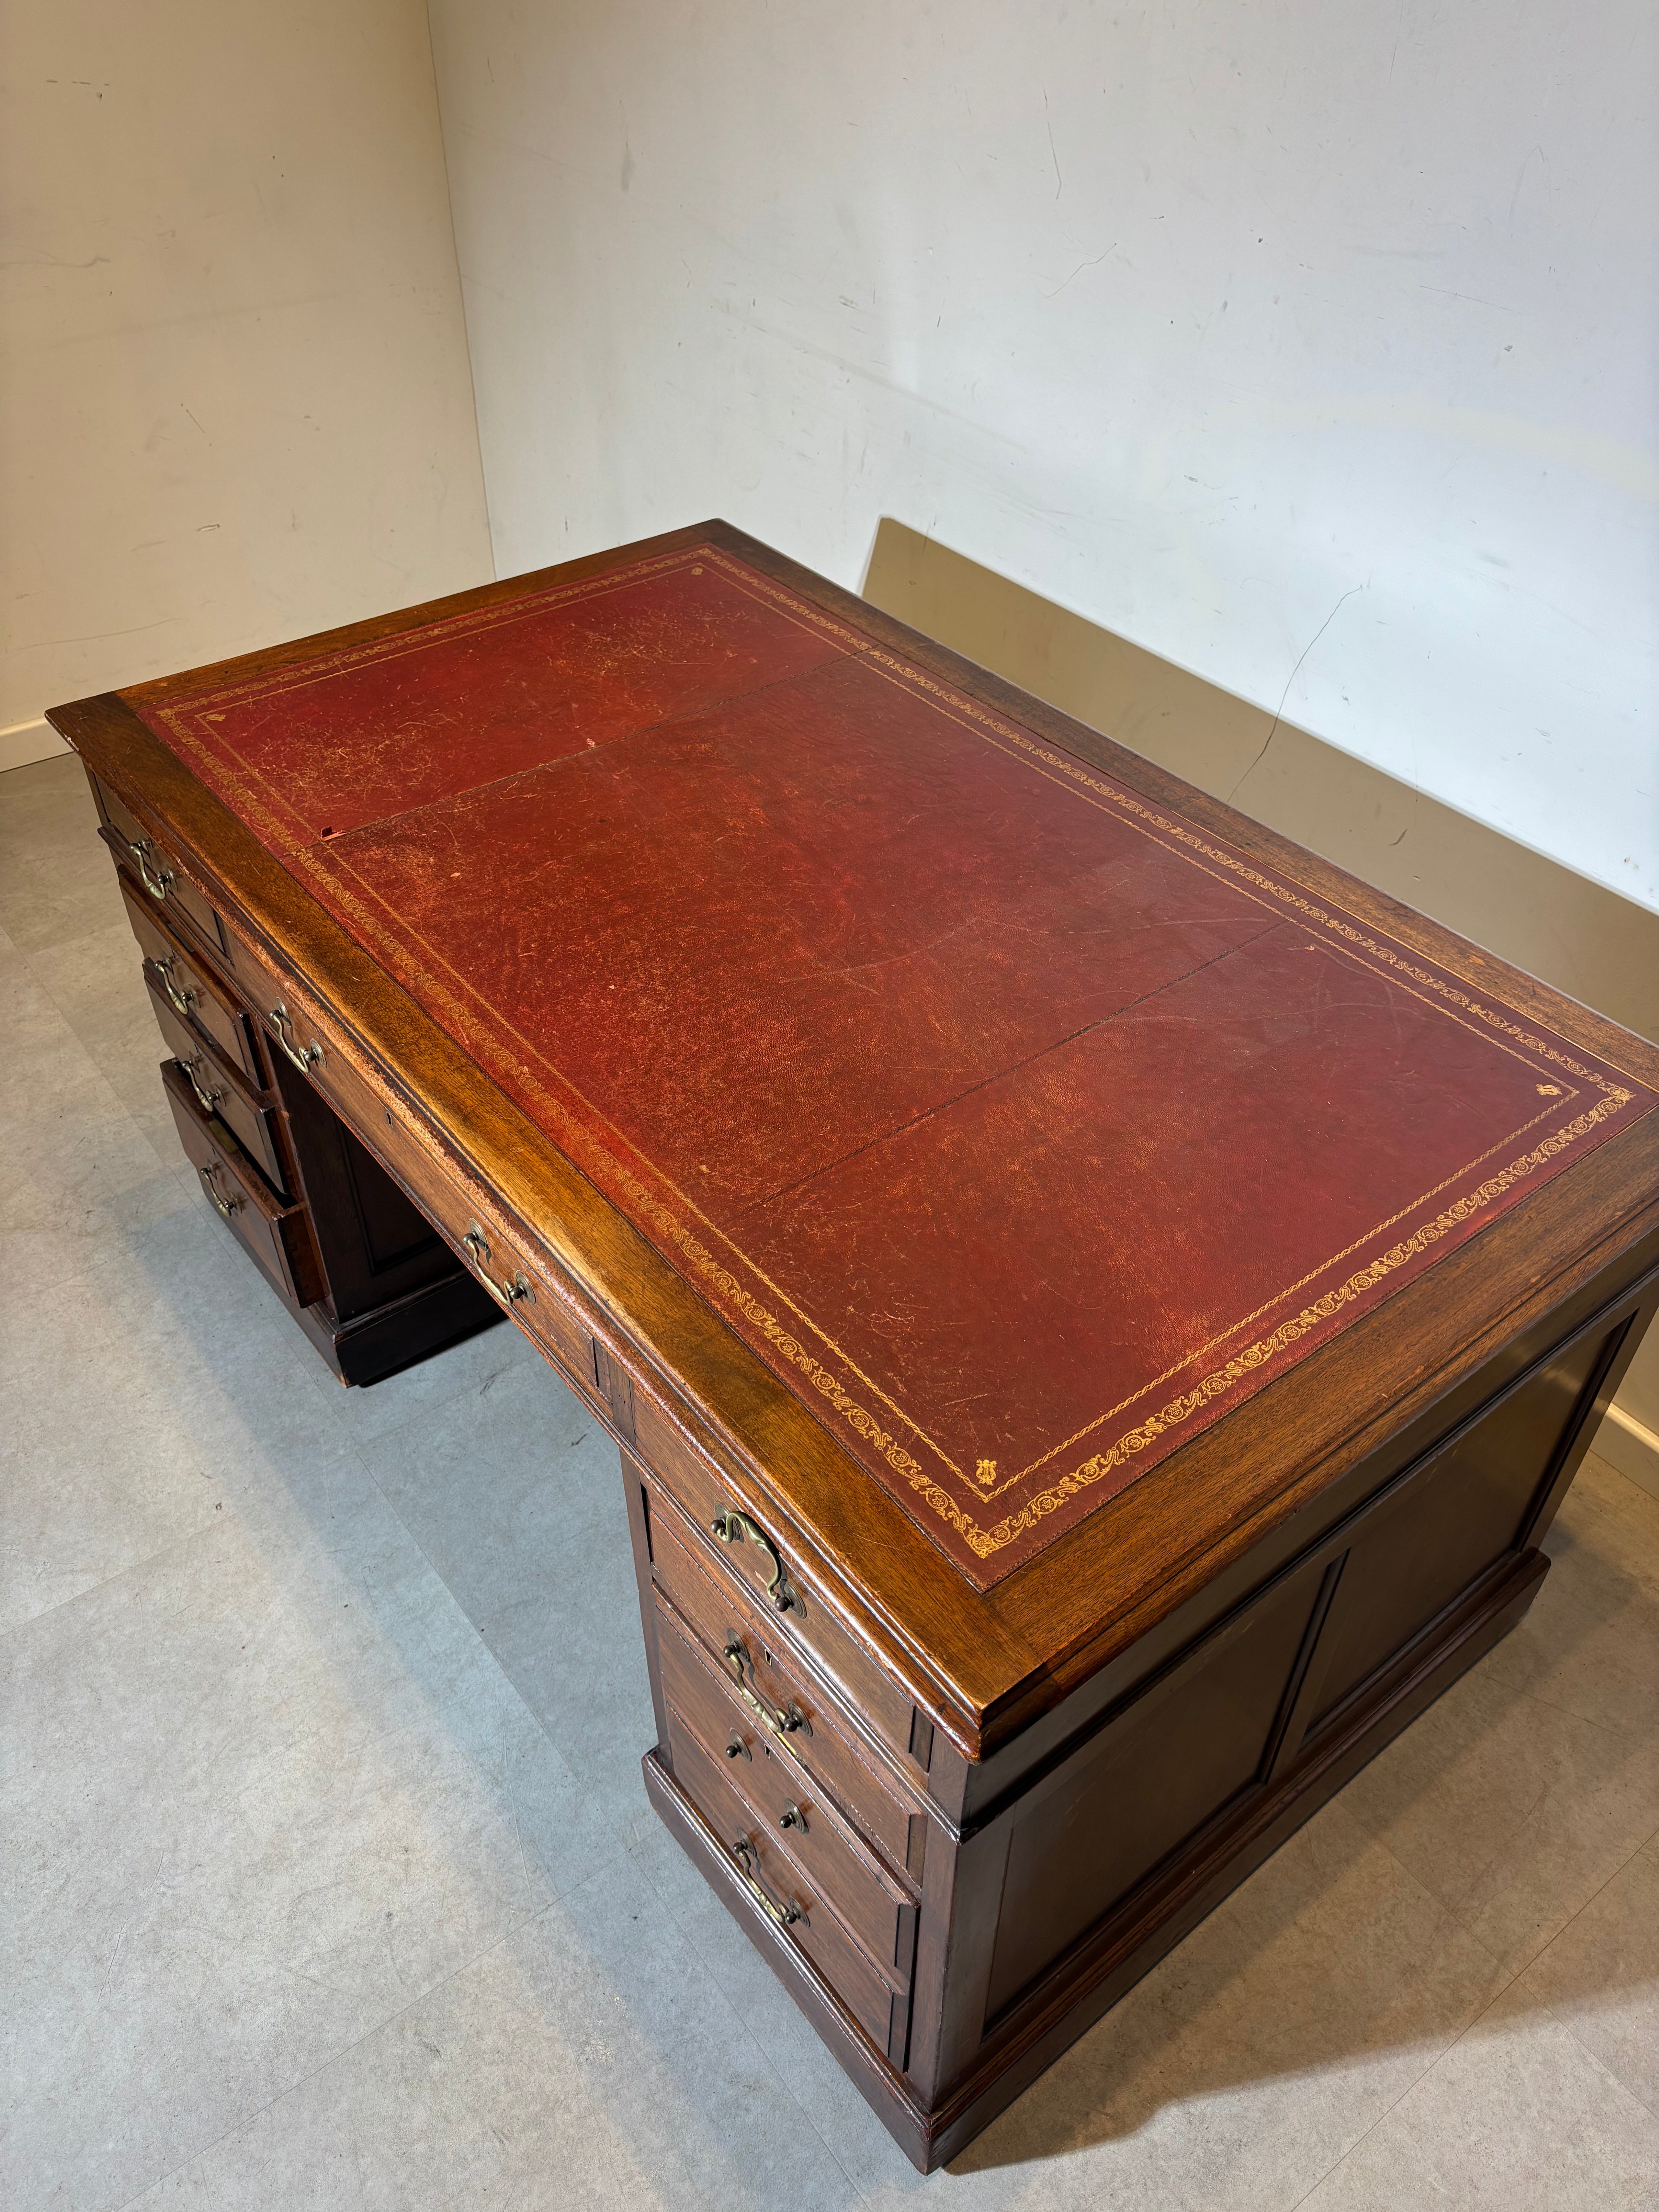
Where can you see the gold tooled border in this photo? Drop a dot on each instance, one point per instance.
(984, 1542)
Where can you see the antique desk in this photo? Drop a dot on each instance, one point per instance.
(1098, 1307)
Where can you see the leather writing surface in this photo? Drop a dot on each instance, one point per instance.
(1025, 1128)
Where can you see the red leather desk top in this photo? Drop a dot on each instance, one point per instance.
(1023, 1127)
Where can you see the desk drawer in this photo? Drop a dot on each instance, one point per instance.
(149, 862)
(277, 1235)
(190, 987)
(748, 1555)
(313, 1045)
(783, 1797)
(789, 1899)
(729, 1623)
(220, 1090)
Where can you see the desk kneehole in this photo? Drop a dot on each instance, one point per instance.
(316, 1049)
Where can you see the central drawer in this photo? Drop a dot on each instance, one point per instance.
(308, 1041)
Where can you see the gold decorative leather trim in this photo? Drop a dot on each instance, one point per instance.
(266, 813)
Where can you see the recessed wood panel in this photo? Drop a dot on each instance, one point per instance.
(1445, 1525)
(1181, 1751)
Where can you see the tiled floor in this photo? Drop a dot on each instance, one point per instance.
(328, 1875)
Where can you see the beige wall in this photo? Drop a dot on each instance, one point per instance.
(1597, 947)
(237, 402)
(1311, 346)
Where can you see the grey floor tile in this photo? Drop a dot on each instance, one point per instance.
(139, 1394)
(1600, 1978)
(261, 1792)
(502, 1480)
(76, 1171)
(469, 1369)
(97, 983)
(555, 1646)
(1518, 2117)
(56, 878)
(585, 2061)
(1510, 1810)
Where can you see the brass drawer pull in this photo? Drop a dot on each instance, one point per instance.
(206, 1098)
(792, 1817)
(157, 880)
(181, 1001)
(737, 1748)
(782, 1721)
(785, 1915)
(506, 1295)
(226, 1207)
(733, 1528)
(304, 1056)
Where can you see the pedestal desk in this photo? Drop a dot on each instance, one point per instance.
(1098, 1308)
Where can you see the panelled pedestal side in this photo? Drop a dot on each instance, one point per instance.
(948, 1961)
(358, 1266)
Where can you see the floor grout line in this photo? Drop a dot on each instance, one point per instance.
(333, 2059)
(1416, 2082)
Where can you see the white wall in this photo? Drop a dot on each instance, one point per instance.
(237, 402)
(1311, 346)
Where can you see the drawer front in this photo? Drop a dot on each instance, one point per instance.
(221, 1090)
(189, 987)
(276, 1235)
(149, 862)
(747, 1551)
(745, 1640)
(785, 1800)
(312, 1045)
(773, 1878)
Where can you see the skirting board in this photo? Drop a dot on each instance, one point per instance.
(1625, 1443)
(24, 742)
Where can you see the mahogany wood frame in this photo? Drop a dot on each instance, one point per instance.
(1011, 1687)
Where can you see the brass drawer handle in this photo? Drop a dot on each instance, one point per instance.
(785, 1915)
(304, 1056)
(733, 1528)
(506, 1295)
(782, 1721)
(737, 1748)
(209, 1174)
(157, 880)
(792, 1817)
(181, 1001)
(207, 1099)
